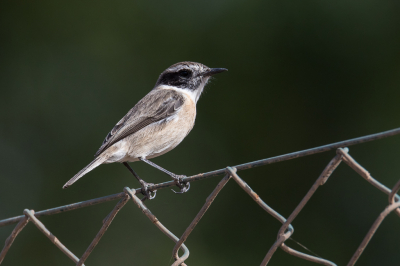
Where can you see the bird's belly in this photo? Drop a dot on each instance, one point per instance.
(157, 139)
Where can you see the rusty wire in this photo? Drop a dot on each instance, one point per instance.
(46, 232)
(284, 232)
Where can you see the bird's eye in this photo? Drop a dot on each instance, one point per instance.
(184, 73)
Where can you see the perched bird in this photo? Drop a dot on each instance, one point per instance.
(157, 123)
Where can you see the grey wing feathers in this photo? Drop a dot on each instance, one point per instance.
(154, 107)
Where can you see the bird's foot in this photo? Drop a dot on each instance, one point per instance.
(147, 192)
(184, 186)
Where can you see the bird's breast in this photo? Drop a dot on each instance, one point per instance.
(161, 137)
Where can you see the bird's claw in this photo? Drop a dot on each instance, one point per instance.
(184, 186)
(147, 192)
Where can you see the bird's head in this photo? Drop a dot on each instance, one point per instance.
(188, 77)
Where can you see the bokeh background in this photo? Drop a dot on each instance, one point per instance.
(301, 74)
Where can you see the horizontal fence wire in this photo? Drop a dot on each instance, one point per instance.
(284, 233)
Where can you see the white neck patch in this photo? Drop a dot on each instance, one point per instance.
(193, 95)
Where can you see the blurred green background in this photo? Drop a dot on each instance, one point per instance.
(301, 74)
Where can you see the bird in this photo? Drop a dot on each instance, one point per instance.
(156, 124)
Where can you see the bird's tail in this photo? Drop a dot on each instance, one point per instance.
(96, 162)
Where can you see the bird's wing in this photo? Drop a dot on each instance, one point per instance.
(154, 107)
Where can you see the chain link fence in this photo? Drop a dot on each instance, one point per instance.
(284, 233)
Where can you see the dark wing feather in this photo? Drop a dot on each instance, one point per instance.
(154, 107)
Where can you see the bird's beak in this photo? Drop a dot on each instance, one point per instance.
(213, 71)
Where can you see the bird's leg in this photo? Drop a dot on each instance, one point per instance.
(184, 186)
(145, 186)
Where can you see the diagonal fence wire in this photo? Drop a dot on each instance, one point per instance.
(106, 223)
(24, 221)
(160, 226)
(284, 232)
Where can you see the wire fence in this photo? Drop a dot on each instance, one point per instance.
(284, 233)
